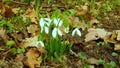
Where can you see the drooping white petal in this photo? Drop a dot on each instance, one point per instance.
(41, 30)
(73, 32)
(46, 30)
(60, 22)
(41, 23)
(54, 32)
(41, 43)
(59, 32)
(76, 31)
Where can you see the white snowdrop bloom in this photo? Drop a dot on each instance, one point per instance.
(76, 31)
(58, 22)
(55, 32)
(47, 21)
(40, 43)
(46, 30)
(44, 21)
(59, 32)
(41, 23)
(66, 30)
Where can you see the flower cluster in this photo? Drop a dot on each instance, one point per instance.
(45, 24)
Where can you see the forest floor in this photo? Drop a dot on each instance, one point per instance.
(97, 47)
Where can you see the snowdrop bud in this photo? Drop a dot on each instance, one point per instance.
(66, 30)
(76, 31)
(41, 43)
(41, 23)
(46, 30)
(54, 32)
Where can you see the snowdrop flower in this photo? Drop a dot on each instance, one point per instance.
(47, 21)
(43, 22)
(40, 43)
(55, 32)
(58, 22)
(76, 31)
(46, 30)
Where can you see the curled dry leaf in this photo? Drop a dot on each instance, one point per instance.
(94, 34)
(32, 58)
(30, 13)
(110, 37)
(117, 47)
(113, 37)
(32, 29)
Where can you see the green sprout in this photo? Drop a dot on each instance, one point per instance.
(10, 43)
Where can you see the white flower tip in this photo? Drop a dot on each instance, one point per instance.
(54, 32)
(66, 30)
(41, 43)
(76, 31)
(46, 30)
(59, 32)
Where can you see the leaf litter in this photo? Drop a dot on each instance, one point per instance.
(87, 43)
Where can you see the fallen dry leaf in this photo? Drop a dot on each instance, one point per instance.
(33, 42)
(30, 42)
(110, 37)
(31, 13)
(92, 61)
(82, 11)
(93, 20)
(32, 29)
(19, 60)
(117, 47)
(3, 35)
(113, 37)
(8, 12)
(15, 10)
(118, 34)
(94, 34)
(32, 58)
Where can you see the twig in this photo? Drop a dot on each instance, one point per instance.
(18, 2)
